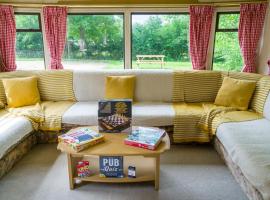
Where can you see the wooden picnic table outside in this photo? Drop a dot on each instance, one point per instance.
(150, 59)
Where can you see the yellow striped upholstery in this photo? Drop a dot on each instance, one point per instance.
(56, 85)
(53, 112)
(178, 86)
(245, 76)
(4, 75)
(260, 94)
(234, 116)
(224, 74)
(201, 86)
(187, 116)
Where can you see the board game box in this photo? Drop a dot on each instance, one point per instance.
(80, 138)
(114, 116)
(145, 137)
(111, 166)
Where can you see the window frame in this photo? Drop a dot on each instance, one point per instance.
(221, 30)
(106, 13)
(34, 30)
(149, 13)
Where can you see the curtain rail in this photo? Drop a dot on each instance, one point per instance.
(37, 5)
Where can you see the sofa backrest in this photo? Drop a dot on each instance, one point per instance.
(260, 94)
(151, 85)
(201, 86)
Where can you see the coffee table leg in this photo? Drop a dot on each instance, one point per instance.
(70, 171)
(157, 172)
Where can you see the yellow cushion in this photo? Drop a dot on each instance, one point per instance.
(119, 87)
(21, 91)
(235, 93)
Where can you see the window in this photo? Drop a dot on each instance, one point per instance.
(29, 42)
(160, 35)
(227, 55)
(94, 41)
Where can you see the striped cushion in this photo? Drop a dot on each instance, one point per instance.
(186, 123)
(4, 75)
(201, 86)
(178, 86)
(260, 94)
(56, 85)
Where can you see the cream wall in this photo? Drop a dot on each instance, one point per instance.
(264, 50)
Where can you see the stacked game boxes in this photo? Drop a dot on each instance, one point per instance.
(145, 137)
(81, 138)
(83, 169)
(114, 116)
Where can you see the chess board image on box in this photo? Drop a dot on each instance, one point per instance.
(114, 116)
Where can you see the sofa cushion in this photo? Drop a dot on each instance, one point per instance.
(81, 113)
(14, 74)
(119, 87)
(12, 131)
(201, 86)
(235, 93)
(186, 121)
(260, 94)
(152, 114)
(247, 143)
(151, 85)
(143, 114)
(266, 110)
(21, 91)
(55, 85)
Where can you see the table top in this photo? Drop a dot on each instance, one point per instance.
(113, 145)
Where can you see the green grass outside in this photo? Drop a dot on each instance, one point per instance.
(112, 64)
(115, 64)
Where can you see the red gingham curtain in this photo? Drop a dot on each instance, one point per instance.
(199, 33)
(55, 21)
(250, 29)
(7, 39)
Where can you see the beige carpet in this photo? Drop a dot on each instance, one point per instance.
(188, 172)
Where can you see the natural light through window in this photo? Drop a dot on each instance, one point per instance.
(227, 55)
(29, 42)
(94, 41)
(160, 41)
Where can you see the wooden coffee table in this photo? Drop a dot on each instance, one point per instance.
(147, 162)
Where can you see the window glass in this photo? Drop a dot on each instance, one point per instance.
(94, 41)
(228, 21)
(29, 42)
(27, 21)
(227, 54)
(160, 37)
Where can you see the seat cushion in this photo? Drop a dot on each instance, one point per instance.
(143, 114)
(186, 121)
(152, 114)
(12, 131)
(247, 143)
(81, 113)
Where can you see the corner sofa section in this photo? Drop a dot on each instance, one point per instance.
(155, 94)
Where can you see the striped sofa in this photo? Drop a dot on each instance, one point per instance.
(155, 94)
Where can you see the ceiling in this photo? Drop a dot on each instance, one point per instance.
(110, 2)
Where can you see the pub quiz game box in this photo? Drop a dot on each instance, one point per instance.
(114, 116)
